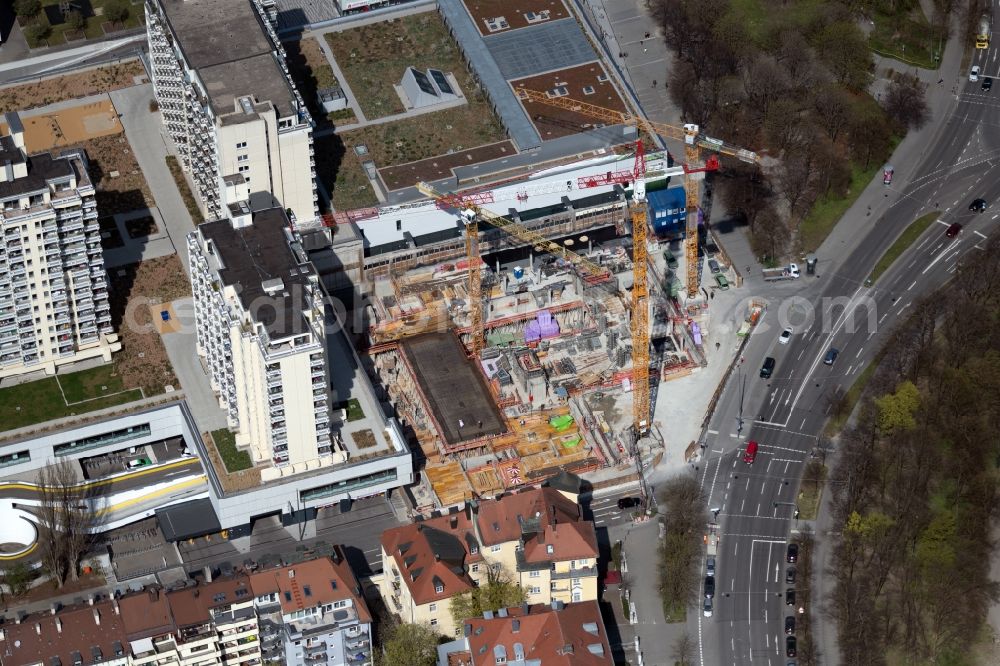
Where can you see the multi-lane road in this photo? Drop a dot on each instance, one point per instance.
(786, 413)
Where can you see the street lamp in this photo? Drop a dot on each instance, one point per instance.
(743, 390)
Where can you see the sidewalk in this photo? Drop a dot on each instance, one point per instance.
(941, 102)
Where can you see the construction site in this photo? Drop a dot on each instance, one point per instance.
(527, 350)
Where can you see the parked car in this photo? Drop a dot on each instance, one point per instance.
(721, 280)
(792, 556)
(831, 356)
(709, 586)
(713, 266)
(707, 607)
(137, 463)
(629, 502)
(790, 575)
(790, 646)
(710, 566)
(785, 336)
(790, 624)
(789, 597)
(887, 172)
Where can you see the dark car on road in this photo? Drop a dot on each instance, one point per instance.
(953, 230)
(978, 205)
(831, 356)
(629, 502)
(767, 369)
(790, 646)
(987, 83)
(790, 624)
(709, 586)
(789, 597)
(792, 555)
(790, 576)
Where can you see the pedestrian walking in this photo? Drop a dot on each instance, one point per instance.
(654, 83)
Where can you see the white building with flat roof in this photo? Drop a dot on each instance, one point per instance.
(53, 287)
(239, 125)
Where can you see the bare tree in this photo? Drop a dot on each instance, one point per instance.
(904, 102)
(69, 515)
(683, 650)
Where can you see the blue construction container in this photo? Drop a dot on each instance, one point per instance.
(667, 212)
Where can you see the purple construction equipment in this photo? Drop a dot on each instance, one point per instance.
(542, 327)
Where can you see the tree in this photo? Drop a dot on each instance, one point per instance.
(409, 645)
(69, 518)
(18, 578)
(117, 11)
(684, 506)
(75, 20)
(37, 31)
(843, 49)
(896, 410)
(904, 102)
(27, 8)
(683, 650)
(500, 591)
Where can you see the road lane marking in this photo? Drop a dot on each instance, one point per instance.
(980, 234)
(941, 254)
(883, 317)
(848, 369)
(914, 284)
(859, 352)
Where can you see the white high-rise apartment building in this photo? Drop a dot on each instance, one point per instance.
(240, 126)
(53, 288)
(259, 319)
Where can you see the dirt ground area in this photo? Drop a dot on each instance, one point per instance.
(71, 86)
(588, 83)
(311, 72)
(136, 290)
(442, 166)
(374, 58)
(483, 11)
(70, 126)
(121, 186)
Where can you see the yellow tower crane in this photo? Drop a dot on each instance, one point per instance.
(472, 213)
(694, 170)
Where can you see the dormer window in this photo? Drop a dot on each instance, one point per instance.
(439, 589)
(550, 549)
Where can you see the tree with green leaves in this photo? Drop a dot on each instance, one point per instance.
(27, 8)
(409, 645)
(499, 591)
(36, 31)
(75, 20)
(18, 578)
(896, 410)
(117, 11)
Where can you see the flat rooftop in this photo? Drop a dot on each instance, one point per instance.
(257, 254)
(224, 40)
(588, 82)
(453, 388)
(540, 48)
(486, 13)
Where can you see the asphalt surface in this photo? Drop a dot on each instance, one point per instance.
(786, 413)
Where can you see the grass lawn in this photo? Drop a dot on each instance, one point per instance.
(844, 410)
(374, 57)
(810, 492)
(234, 459)
(41, 400)
(675, 614)
(911, 39)
(340, 172)
(88, 384)
(177, 171)
(906, 239)
(354, 411)
(93, 28)
(761, 20)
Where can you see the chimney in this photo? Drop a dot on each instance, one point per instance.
(97, 617)
(291, 573)
(454, 521)
(91, 598)
(3, 635)
(437, 558)
(524, 607)
(208, 573)
(38, 628)
(59, 625)
(114, 606)
(54, 607)
(19, 617)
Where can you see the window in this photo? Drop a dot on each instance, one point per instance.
(475, 568)
(244, 168)
(534, 590)
(550, 549)
(439, 589)
(496, 549)
(241, 145)
(588, 90)
(433, 608)
(242, 158)
(534, 574)
(434, 621)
